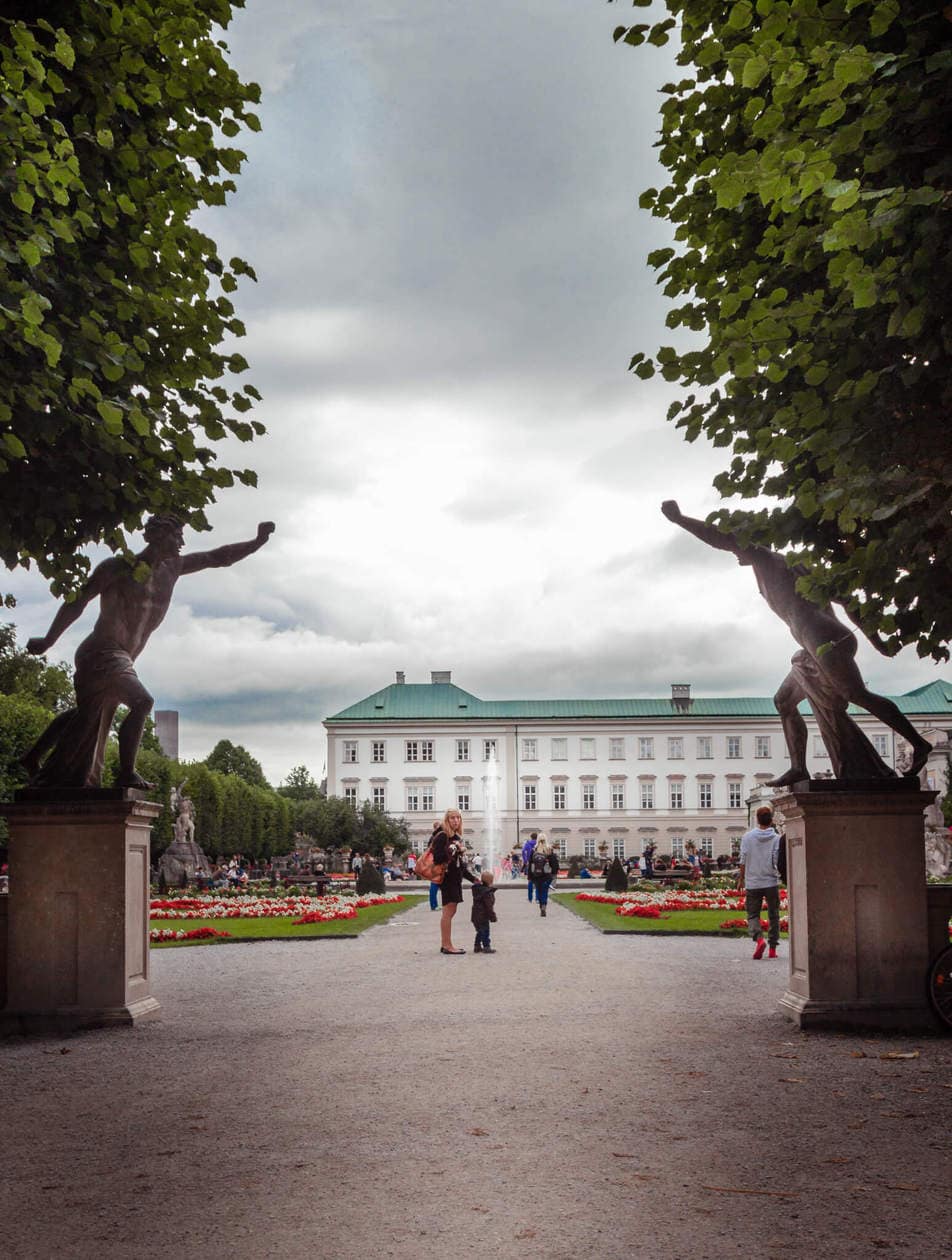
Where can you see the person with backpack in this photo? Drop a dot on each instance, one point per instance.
(543, 868)
(527, 848)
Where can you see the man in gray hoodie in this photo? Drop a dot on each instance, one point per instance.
(760, 878)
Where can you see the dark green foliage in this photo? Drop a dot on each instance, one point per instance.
(369, 879)
(50, 686)
(616, 879)
(807, 148)
(229, 758)
(113, 133)
(300, 786)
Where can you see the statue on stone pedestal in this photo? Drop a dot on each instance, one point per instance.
(823, 671)
(184, 855)
(74, 743)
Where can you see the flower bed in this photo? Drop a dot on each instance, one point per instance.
(194, 934)
(668, 900)
(211, 906)
(735, 925)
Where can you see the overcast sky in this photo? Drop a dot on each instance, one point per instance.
(442, 213)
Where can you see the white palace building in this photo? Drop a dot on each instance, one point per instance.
(592, 774)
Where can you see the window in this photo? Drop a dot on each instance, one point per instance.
(380, 798)
(426, 797)
(560, 749)
(558, 796)
(588, 846)
(413, 799)
(819, 748)
(588, 796)
(647, 794)
(586, 749)
(528, 796)
(462, 799)
(676, 794)
(530, 750)
(489, 750)
(618, 847)
(413, 750)
(646, 748)
(733, 747)
(735, 846)
(881, 744)
(705, 846)
(350, 752)
(616, 749)
(618, 796)
(675, 747)
(462, 750)
(378, 750)
(677, 846)
(705, 747)
(705, 795)
(762, 746)
(350, 796)
(558, 844)
(735, 795)
(426, 750)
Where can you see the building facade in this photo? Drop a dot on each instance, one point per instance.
(596, 775)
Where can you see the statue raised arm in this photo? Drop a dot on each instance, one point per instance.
(70, 751)
(823, 671)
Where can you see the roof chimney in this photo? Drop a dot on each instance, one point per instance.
(681, 697)
(401, 676)
(440, 676)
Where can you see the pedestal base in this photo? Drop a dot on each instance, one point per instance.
(857, 887)
(78, 912)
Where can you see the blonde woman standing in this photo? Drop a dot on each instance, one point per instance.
(543, 868)
(448, 849)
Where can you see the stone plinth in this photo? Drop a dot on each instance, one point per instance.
(857, 886)
(78, 910)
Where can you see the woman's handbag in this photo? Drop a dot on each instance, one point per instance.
(426, 868)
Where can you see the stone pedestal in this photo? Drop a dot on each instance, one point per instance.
(857, 887)
(78, 910)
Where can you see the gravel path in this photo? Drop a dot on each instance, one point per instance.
(571, 1096)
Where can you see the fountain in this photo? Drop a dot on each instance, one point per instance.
(491, 825)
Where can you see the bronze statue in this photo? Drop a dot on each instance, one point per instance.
(823, 672)
(129, 610)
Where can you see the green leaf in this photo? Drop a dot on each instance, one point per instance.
(29, 251)
(23, 199)
(112, 417)
(104, 138)
(755, 70)
(14, 446)
(740, 15)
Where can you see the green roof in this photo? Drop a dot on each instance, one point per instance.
(443, 701)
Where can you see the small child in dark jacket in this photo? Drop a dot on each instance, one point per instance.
(484, 912)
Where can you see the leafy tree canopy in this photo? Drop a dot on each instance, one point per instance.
(810, 171)
(300, 785)
(113, 131)
(229, 758)
(21, 674)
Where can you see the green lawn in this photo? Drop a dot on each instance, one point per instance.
(283, 929)
(674, 922)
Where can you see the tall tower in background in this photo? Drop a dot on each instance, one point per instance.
(166, 729)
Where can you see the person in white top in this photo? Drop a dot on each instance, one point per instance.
(760, 878)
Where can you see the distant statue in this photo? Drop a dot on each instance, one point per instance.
(74, 743)
(938, 853)
(823, 672)
(184, 809)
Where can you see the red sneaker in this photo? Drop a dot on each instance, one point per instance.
(772, 952)
(759, 948)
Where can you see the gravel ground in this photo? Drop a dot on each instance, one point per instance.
(575, 1095)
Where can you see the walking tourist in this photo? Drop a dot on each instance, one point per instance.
(527, 848)
(449, 850)
(760, 878)
(434, 888)
(543, 868)
(483, 912)
(648, 858)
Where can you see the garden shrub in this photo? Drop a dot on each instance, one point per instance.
(616, 879)
(370, 880)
